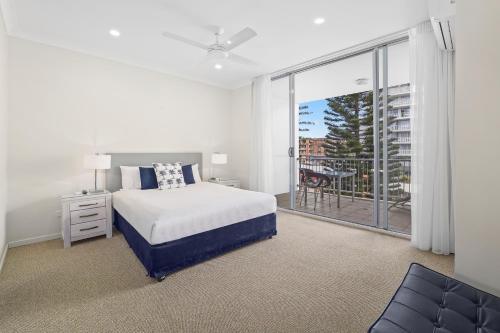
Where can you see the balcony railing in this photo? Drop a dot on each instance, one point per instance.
(403, 139)
(399, 174)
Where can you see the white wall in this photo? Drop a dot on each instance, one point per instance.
(239, 157)
(3, 135)
(64, 104)
(477, 221)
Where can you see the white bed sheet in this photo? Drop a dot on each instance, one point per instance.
(165, 215)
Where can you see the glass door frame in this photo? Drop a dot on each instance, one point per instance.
(292, 147)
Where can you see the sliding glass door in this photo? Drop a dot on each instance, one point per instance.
(335, 139)
(348, 128)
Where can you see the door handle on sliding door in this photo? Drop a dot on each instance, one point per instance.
(291, 152)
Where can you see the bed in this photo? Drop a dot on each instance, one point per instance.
(171, 229)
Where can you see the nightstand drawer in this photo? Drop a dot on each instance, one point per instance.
(88, 228)
(84, 204)
(87, 215)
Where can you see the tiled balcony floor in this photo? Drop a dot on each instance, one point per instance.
(360, 211)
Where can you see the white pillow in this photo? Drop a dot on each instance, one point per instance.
(131, 178)
(196, 173)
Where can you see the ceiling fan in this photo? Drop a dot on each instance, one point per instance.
(220, 51)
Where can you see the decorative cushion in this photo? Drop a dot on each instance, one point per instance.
(169, 175)
(148, 178)
(187, 173)
(131, 179)
(428, 301)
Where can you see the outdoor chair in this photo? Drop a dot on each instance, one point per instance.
(309, 179)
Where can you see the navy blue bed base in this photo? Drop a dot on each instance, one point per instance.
(162, 259)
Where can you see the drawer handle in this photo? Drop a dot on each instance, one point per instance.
(86, 205)
(89, 215)
(86, 229)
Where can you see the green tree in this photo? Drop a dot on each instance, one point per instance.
(349, 120)
(343, 119)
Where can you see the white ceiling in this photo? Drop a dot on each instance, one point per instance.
(286, 34)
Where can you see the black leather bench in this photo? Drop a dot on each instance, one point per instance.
(428, 301)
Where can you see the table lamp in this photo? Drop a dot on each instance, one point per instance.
(97, 162)
(219, 159)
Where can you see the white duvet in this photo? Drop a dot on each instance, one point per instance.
(164, 215)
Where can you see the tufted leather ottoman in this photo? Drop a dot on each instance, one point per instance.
(428, 301)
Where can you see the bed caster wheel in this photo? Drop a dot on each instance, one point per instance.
(161, 278)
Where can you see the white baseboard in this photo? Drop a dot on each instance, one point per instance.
(33, 240)
(3, 255)
(477, 285)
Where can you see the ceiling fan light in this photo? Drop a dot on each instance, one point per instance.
(218, 66)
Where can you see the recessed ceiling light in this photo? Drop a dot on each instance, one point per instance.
(228, 42)
(218, 66)
(319, 20)
(114, 33)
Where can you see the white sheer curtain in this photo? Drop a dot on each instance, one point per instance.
(432, 87)
(261, 154)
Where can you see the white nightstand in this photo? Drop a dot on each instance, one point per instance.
(226, 182)
(85, 216)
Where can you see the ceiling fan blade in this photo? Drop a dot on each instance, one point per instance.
(240, 38)
(184, 40)
(241, 60)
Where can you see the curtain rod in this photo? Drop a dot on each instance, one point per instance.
(393, 38)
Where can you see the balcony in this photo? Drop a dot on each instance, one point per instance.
(400, 128)
(399, 91)
(356, 204)
(403, 103)
(403, 139)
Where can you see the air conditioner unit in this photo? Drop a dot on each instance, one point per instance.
(444, 30)
(442, 14)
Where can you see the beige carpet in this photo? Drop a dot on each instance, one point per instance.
(313, 277)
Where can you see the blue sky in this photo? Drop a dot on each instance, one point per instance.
(318, 130)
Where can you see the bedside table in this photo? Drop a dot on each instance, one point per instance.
(85, 216)
(226, 182)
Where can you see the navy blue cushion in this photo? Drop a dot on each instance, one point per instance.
(187, 173)
(148, 178)
(428, 301)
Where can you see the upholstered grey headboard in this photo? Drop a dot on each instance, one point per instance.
(114, 175)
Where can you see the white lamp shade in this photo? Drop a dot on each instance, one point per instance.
(97, 162)
(219, 158)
